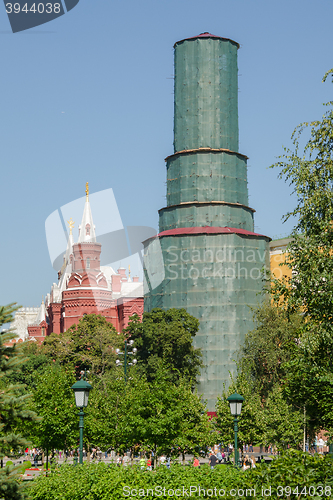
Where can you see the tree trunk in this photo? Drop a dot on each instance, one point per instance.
(43, 456)
(183, 455)
(155, 458)
(47, 460)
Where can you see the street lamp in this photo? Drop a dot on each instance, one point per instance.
(81, 390)
(235, 402)
(125, 354)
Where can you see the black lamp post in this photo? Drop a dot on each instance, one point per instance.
(235, 402)
(81, 390)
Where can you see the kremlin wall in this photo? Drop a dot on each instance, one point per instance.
(206, 257)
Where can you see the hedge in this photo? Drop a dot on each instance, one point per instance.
(294, 475)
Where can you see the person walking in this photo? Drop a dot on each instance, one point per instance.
(212, 460)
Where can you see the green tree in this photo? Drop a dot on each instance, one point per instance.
(14, 410)
(309, 290)
(107, 422)
(196, 431)
(165, 337)
(308, 383)
(33, 362)
(309, 254)
(250, 423)
(268, 347)
(90, 345)
(276, 422)
(53, 400)
(157, 416)
(163, 408)
(283, 425)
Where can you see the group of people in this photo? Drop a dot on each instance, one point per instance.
(34, 453)
(122, 460)
(215, 458)
(144, 463)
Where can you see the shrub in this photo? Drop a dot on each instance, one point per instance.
(26, 465)
(102, 482)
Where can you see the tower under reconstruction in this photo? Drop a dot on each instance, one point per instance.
(206, 258)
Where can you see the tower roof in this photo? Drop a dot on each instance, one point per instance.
(87, 229)
(207, 35)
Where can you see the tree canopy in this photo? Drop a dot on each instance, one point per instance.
(267, 347)
(166, 337)
(156, 409)
(90, 345)
(53, 400)
(308, 292)
(309, 171)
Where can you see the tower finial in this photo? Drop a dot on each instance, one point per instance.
(71, 223)
(87, 228)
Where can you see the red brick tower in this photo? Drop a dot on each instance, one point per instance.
(84, 288)
(87, 290)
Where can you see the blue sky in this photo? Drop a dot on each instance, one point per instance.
(89, 97)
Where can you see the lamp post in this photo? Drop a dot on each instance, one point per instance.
(235, 402)
(81, 390)
(125, 354)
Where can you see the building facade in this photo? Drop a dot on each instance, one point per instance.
(84, 287)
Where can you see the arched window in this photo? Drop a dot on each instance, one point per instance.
(88, 229)
(88, 262)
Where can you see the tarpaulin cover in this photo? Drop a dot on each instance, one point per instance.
(198, 263)
(206, 94)
(206, 177)
(216, 278)
(200, 215)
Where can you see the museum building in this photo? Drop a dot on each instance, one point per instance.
(84, 287)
